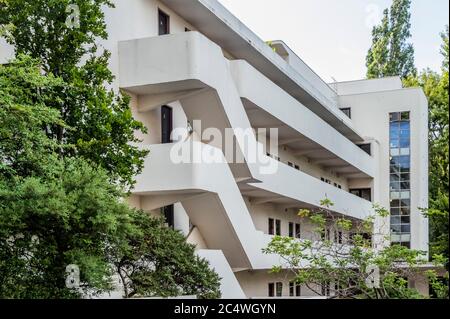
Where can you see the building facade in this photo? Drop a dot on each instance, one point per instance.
(243, 134)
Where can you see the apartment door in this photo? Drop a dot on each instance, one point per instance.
(166, 124)
(169, 215)
(166, 130)
(163, 23)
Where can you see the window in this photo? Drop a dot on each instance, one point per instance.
(338, 237)
(297, 231)
(347, 111)
(274, 227)
(400, 185)
(278, 227)
(271, 226)
(279, 287)
(297, 167)
(291, 164)
(326, 291)
(271, 288)
(163, 23)
(366, 148)
(187, 30)
(365, 193)
(294, 289)
(275, 289)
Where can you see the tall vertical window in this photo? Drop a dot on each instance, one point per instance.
(163, 23)
(400, 186)
(271, 288)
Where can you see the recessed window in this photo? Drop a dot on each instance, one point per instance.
(274, 227)
(294, 289)
(297, 231)
(271, 226)
(271, 289)
(365, 193)
(297, 167)
(294, 230)
(275, 289)
(163, 23)
(278, 227)
(347, 111)
(279, 289)
(291, 164)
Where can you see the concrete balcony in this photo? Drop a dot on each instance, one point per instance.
(190, 68)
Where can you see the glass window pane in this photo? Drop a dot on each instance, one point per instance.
(395, 143)
(404, 126)
(404, 143)
(395, 186)
(395, 220)
(405, 186)
(395, 203)
(395, 195)
(405, 115)
(279, 289)
(406, 219)
(405, 202)
(394, 116)
(405, 195)
(406, 228)
(396, 228)
(405, 211)
(405, 151)
(395, 211)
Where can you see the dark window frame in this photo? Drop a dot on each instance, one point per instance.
(163, 14)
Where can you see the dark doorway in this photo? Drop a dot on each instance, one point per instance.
(169, 215)
(166, 130)
(163, 23)
(166, 124)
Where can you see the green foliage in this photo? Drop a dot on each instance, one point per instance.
(103, 120)
(343, 266)
(58, 210)
(390, 54)
(158, 262)
(436, 87)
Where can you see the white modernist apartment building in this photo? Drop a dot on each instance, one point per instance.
(199, 78)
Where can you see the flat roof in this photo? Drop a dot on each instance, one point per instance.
(222, 27)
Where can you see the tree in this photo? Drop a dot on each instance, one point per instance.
(105, 129)
(336, 262)
(435, 87)
(390, 53)
(59, 210)
(158, 262)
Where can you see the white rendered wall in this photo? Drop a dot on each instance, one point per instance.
(370, 113)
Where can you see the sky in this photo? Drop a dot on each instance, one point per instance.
(333, 36)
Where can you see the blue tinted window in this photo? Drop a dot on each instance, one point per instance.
(400, 138)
